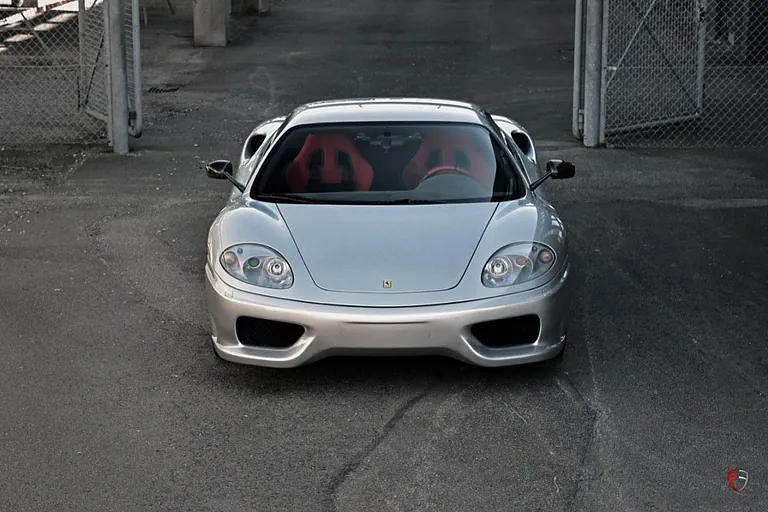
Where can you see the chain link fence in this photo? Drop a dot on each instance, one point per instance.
(54, 81)
(671, 73)
(684, 73)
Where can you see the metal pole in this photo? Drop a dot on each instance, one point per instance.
(118, 75)
(604, 69)
(593, 65)
(106, 40)
(577, 63)
(702, 60)
(81, 46)
(137, 127)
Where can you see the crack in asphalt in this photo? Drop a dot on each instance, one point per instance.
(350, 467)
(601, 427)
(588, 459)
(566, 383)
(569, 387)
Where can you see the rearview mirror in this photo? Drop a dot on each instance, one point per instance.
(557, 170)
(561, 169)
(219, 169)
(223, 170)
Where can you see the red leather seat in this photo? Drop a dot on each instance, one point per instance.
(329, 163)
(450, 149)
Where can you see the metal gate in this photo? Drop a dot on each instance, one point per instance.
(671, 73)
(54, 80)
(93, 85)
(654, 65)
(95, 80)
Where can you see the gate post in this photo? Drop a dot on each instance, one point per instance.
(578, 79)
(593, 73)
(118, 90)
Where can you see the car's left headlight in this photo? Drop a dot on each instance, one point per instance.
(257, 265)
(517, 264)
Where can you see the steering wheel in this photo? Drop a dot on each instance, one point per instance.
(446, 169)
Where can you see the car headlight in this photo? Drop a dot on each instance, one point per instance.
(517, 264)
(257, 265)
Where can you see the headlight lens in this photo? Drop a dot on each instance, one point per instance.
(257, 265)
(517, 264)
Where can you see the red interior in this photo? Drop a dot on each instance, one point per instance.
(446, 145)
(297, 175)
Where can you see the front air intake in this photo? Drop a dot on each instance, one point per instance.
(257, 332)
(508, 332)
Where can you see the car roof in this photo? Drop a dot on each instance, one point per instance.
(386, 110)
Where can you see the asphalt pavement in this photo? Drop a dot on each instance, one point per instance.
(111, 397)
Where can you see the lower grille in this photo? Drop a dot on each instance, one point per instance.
(508, 332)
(257, 332)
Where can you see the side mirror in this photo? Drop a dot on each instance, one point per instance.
(561, 169)
(219, 169)
(557, 170)
(223, 170)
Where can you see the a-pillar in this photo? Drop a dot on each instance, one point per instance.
(211, 22)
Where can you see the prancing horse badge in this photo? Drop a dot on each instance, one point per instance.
(387, 283)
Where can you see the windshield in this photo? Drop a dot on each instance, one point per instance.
(386, 163)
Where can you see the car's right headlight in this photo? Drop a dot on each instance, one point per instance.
(257, 265)
(517, 264)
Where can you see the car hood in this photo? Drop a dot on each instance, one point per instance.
(387, 249)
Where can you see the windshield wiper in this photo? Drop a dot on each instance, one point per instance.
(284, 198)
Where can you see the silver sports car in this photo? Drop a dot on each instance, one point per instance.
(388, 226)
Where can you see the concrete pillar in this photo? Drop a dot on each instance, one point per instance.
(211, 22)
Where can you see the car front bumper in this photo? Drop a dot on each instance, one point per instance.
(446, 329)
